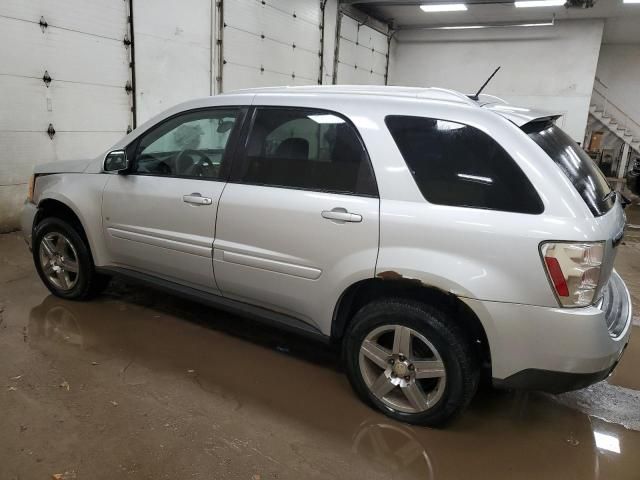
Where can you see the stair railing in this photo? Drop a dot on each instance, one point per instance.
(600, 99)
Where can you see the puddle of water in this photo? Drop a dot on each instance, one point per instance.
(155, 386)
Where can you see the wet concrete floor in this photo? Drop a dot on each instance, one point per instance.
(137, 384)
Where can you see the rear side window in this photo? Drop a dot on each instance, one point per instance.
(585, 175)
(459, 165)
(306, 149)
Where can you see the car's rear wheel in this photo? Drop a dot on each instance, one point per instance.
(410, 361)
(63, 261)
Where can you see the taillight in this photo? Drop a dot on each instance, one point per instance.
(573, 270)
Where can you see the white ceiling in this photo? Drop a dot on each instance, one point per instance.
(622, 21)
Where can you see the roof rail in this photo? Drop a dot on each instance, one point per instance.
(436, 93)
(486, 99)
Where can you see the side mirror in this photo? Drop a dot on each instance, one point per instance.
(116, 161)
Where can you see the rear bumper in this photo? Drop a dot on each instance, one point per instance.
(550, 381)
(556, 349)
(26, 221)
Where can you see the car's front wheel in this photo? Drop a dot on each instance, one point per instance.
(410, 361)
(63, 261)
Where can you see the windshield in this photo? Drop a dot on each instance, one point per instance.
(585, 175)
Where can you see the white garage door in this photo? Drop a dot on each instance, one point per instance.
(271, 42)
(80, 46)
(362, 54)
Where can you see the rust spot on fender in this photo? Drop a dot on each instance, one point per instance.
(390, 275)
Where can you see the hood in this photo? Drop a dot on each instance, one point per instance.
(68, 166)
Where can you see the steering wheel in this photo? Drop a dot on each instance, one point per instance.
(195, 169)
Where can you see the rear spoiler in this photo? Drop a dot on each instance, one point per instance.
(539, 123)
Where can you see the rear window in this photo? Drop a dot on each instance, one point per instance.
(458, 165)
(585, 175)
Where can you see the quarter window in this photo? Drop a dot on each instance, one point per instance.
(306, 149)
(190, 145)
(459, 165)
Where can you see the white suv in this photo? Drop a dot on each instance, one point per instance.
(429, 235)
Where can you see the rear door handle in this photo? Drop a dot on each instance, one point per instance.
(341, 215)
(196, 199)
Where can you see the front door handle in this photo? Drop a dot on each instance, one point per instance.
(196, 199)
(341, 215)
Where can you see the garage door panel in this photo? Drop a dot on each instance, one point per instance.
(348, 52)
(274, 24)
(74, 108)
(379, 41)
(305, 10)
(168, 73)
(24, 150)
(96, 17)
(271, 56)
(65, 55)
(379, 63)
(349, 28)
(240, 76)
(84, 145)
(184, 22)
(21, 152)
(259, 40)
(364, 48)
(25, 99)
(66, 106)
(86, 102)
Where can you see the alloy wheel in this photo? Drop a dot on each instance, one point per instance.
(402, 369)
(59, 260)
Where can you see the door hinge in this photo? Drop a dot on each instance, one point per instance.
(51, 131)
(128, 87)
(129, 129)
(127, 40)
(43, 24)
(46, 78)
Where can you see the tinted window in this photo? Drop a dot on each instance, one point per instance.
(190, 145)
(459, 165)
(576, 165)
(306, 149)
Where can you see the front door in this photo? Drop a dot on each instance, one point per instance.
(160, 217)
(298, 220)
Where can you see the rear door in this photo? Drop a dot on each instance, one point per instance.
(160, 218)
(299, 217)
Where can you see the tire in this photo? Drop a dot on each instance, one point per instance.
(436, 346)
(60, 278)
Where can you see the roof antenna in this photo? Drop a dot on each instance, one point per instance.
(475, 97)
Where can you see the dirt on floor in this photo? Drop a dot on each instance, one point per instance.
(138, 384)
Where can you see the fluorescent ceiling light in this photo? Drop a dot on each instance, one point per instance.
(631, 1)
(490, 25)
(444, 7)
(462, 27)
(540, 3)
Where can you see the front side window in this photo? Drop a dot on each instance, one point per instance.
(459, 165)
(190, 145)
(306, 149)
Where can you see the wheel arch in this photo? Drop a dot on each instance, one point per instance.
(364, 291)
(54, 207)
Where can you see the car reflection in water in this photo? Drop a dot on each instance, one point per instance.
(503, 435)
